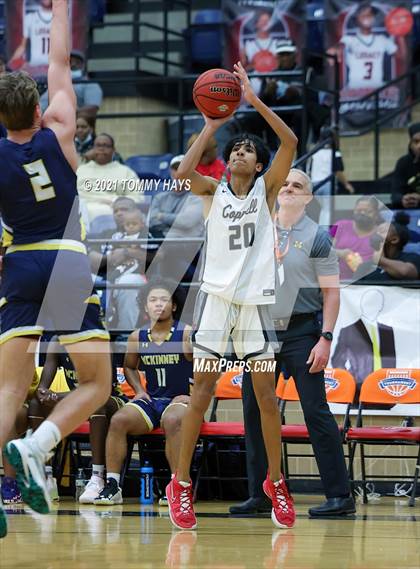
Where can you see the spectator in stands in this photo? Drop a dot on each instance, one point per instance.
(45, 400)
(209, 164)
(178, 211)
(101, 179)
(162, 402)
(85, 136)
(323, 164)
(389, 262)
(406, 178)
(126, 266)
(352, 236)
(101, 256)
(89, 95)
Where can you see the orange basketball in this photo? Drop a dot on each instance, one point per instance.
(217, 93)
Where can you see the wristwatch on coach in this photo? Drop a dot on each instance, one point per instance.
(327, 335)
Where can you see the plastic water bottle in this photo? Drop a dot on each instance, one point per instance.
(146, 483)
(80, 483)
(51, 484)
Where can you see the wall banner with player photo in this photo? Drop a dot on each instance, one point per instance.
(28, 32)
(253, 27)
(377, 327)
(372, 42)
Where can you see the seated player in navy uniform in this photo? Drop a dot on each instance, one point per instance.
(46, 274)
(162, 351)
(45, 400)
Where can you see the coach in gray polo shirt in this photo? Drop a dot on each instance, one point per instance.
(308, 283)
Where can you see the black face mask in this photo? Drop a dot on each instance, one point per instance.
(363, 221)
(376, 242)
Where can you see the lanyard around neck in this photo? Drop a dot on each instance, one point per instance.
(282, 243)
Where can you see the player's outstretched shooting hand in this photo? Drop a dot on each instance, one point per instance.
(247, 90)
(215, 124)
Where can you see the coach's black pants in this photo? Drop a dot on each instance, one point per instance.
(296, 344)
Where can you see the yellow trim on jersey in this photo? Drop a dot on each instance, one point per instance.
(94, 299)
(142, 413)
(7, 237)
(22, 331)
(3, 301)
(119, 401)
(50, 245)
(81, 336)
(83, 231)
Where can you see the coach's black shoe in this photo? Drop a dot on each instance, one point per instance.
(252, 506)
(334, 507)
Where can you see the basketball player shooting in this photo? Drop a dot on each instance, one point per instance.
(40, 209)
(237, 286)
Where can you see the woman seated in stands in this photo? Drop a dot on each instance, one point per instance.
(352, 236)
(85, 137)
(389, 262)
(102, 179)
(406, 177)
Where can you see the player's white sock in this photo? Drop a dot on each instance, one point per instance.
(46, 437)
(115, 475)
(98, 470)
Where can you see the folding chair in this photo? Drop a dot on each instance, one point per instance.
(386, 386)
(340, 387)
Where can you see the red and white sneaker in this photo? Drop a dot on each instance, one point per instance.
(283, 512)
(180, 503)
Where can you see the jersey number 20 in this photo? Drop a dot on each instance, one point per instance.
(40, 181)
(241, 236)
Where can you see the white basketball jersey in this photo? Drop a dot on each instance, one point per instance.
(239, 263)
(37, 28)
(364, 57)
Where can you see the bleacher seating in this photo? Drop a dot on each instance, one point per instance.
(97, 10)
(204, 40)
(150, 167)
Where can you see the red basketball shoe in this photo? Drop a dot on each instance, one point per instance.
(283, 512)
(180, 503)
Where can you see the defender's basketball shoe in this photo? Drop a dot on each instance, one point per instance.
(180, 503)
(283, 512)
(30, 473)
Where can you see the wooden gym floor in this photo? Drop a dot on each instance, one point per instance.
(383, 534)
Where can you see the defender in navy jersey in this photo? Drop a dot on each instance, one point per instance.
(46, 273)
(237, 285)
(45, 400)
(161, 352)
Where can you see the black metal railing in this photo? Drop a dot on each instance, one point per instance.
(137, 24)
